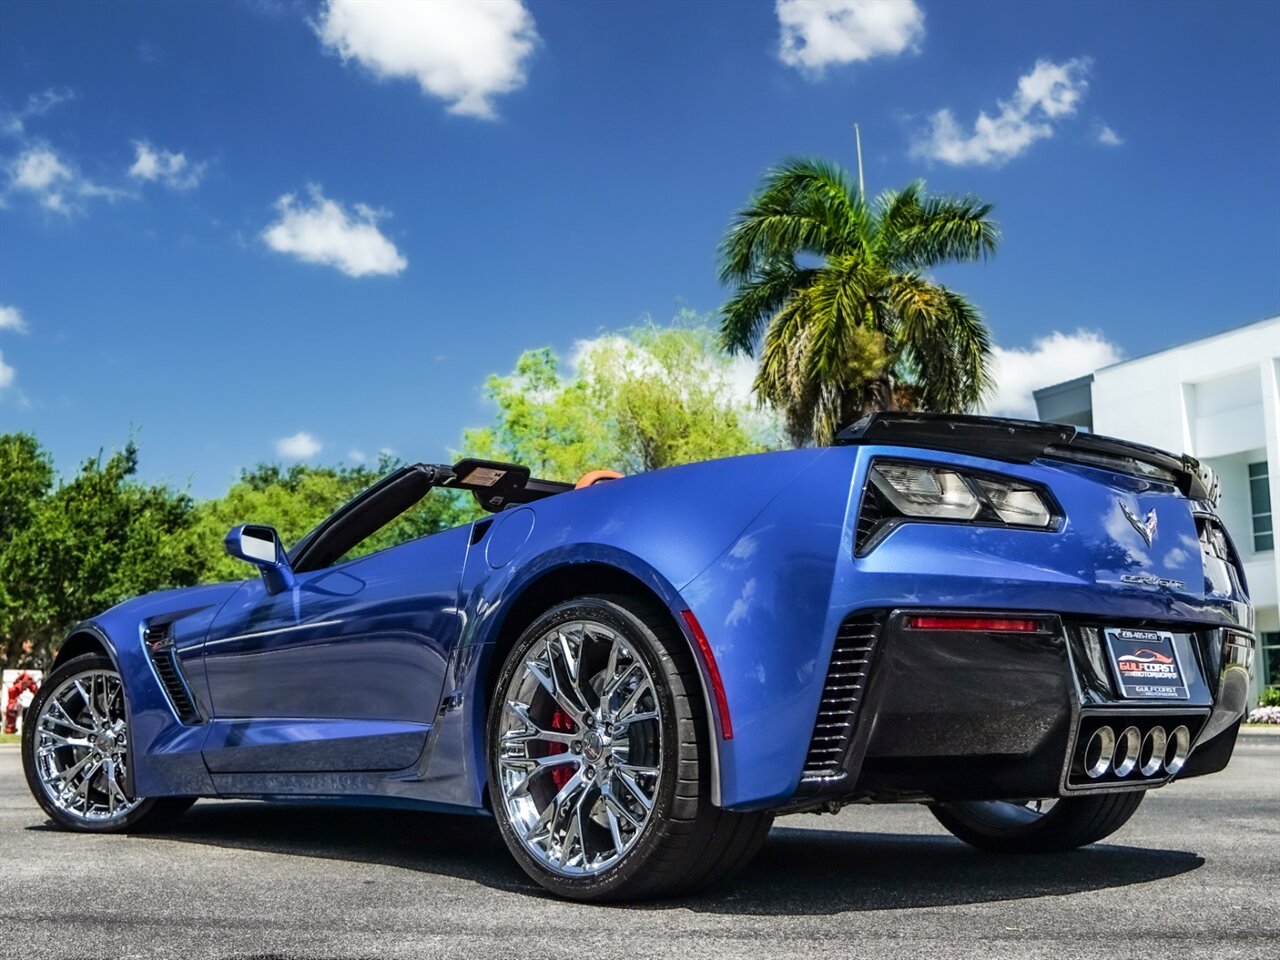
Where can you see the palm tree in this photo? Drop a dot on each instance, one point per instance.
(833, 289)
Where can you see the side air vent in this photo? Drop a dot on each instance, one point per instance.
(841, 697)
(871, 517)
(159, 643)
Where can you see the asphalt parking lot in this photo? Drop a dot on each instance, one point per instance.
(1194, 874)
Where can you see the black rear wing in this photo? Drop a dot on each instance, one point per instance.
(1022, 441)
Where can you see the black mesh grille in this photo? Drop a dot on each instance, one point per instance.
(164, 658)
(841, 696)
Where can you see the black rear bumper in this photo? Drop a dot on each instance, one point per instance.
(973, 715)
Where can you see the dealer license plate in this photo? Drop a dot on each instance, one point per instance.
(1146, 664)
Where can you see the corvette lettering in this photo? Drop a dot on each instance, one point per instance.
(1150, 581)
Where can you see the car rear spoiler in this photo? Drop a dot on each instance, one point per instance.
(1022, 441)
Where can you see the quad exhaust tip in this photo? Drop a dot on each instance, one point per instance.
(1151, 759)
(1150, 754)
(1098, 752)
(1177, 750)
(1125, 757)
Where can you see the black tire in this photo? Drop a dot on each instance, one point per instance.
(150, 814)
(687, 843)
(1001, 826)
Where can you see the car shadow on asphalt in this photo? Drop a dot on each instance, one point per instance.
(799, 871)
(812, 872)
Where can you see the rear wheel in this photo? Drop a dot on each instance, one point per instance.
(1037, 826)
(75, 752)
(599, 759)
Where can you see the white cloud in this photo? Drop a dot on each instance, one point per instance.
(172, 169)
(39, 169)
(11, 319)
(463, 52)
(356, 456)
(298, 447)
(323, 231)
(816, 34)
(1049, 93)
(1109, 137)
(54, 182)
(1052, 359)
(37, 105)
(40, 172)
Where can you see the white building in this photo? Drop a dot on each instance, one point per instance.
(1217, 399)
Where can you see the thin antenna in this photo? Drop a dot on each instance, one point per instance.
(857, 134)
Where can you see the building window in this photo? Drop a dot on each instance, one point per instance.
(1264, 537)
(1270, 666)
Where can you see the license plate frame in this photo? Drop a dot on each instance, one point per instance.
(1146, 664)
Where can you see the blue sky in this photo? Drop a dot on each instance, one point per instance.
(225, 225)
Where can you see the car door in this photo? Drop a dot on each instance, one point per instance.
(343, 671)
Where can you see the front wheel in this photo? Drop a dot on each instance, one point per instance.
(1037, 826)
(75, 752)
(599, 758)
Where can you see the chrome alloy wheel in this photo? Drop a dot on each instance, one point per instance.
(81, 747)
(580, 748)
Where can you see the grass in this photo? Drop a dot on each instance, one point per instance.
(10, 738)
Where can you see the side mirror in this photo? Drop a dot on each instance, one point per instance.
(261, 546)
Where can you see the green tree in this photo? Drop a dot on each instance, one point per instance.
(543, 421)
(642, 399)
(26, 476)
(91, 542)
(832, 289)
(669, 396)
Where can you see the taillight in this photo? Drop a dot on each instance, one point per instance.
(936, 492)
(979, 624)
(903, 491)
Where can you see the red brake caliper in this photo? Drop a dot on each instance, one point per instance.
(560, 773)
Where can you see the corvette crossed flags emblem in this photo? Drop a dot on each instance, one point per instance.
(1146, 528)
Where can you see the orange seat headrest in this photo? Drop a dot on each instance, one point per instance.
(595, 476)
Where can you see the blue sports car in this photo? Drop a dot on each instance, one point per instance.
(1023, 626)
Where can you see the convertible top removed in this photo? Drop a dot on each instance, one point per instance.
(494, 484)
